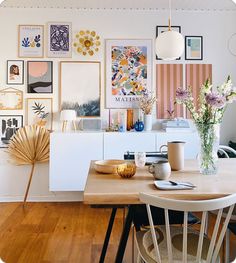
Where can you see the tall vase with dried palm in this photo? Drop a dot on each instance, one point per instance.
(29, 145)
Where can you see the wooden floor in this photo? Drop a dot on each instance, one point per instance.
(56, 232)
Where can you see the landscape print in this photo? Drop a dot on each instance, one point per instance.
(80, 88)
(39, 77)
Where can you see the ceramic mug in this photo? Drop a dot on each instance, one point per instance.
(175, 154)
(161, 170)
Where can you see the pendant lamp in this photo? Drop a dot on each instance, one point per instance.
(169, 44)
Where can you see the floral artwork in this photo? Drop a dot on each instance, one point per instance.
(30, 41)
(128, 72)
(39, 76)
(9, 124)
(59, 39)
(86, 42)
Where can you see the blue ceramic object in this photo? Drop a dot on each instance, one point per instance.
(138, 126)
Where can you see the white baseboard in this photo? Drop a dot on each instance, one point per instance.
(55, 197)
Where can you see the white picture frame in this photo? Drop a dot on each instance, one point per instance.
(15, 72)
(80, 87)
(59, 40)
(9, 124)
(30, 41)
(11, 99)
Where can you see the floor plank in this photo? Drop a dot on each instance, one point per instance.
(58, 233)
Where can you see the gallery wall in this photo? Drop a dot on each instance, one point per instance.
(216, 27)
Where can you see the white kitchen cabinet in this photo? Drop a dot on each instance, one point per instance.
(71, 153)
(70, 156)
(190, 139)
(116, 144)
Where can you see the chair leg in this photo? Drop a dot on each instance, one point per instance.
(227, 245)
(139, 259)
(206, 225)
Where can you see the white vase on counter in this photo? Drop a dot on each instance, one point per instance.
(147, 122)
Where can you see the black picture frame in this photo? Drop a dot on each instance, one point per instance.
(39, 82)
(160, 29)
(9, 128)
(15, 64)
(186, 48)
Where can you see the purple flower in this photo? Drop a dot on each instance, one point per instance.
(182, 94)
(215, 100)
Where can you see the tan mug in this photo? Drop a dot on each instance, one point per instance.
(175, 154)
(161, 170)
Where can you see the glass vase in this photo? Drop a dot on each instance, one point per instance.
(209, 144)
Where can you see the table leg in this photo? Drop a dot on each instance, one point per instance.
(125, 234)
(108, 234)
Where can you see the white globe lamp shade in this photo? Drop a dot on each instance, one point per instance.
(68, 115)
(169, 45)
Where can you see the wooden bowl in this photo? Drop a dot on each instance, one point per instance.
(107, 166)
(126, 170)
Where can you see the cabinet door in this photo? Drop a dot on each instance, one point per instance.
(116, 144)
(190, 139)
(70, 157)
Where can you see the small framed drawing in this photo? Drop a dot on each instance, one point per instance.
(80, 87)
(15, 72)
(59, 39)
(161, 29)
(30, 41)
(9, 124)
(193, 47)
(39, 111)
(128, 71)
(39, 76)
(11, 99)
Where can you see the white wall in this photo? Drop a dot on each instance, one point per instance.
(216, 27)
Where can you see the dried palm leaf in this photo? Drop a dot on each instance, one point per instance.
(29, 145)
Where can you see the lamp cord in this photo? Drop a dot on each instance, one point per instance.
(169, 15)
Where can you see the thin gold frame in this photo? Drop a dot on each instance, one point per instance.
(42, 42)
(17, 93)
(60, 85)
(27, 109)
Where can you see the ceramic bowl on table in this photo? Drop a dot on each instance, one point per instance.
(107, 166)
(126, 170)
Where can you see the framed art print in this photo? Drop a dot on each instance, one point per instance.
(59, 39)
(30, 41)
(39, 111)
(193, 47)
(80, 87)
(9, 124)
(39, 76)
(15, 72)
(11, 99)
(128, 71)
(161, 29)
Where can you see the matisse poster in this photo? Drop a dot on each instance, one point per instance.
(128, 72)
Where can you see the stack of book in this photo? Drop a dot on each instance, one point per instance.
(179, 125)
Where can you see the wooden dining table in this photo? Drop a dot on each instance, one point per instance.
(113, 191)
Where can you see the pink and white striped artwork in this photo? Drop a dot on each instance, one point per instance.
(196, 75)
(168, 78)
